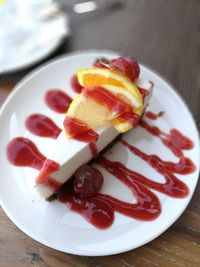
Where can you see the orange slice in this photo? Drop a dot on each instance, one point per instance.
(90, 77)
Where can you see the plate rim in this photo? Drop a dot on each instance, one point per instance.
(36, 60)
(172, 90)
(22, 67)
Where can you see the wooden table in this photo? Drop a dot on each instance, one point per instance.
(165, 36)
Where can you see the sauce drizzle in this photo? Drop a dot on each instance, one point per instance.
(173, 186)
(94, 150)
(42, 126)
(57, 100)
(79, 130)
(123, 110)
(153, 116)
(77, 88)
(99, 210)
(175, 140)
(24, 153)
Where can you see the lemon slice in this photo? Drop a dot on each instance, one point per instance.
(88, 111)
(95, 114)
(122, 127)
(127, 97)
(89, 77)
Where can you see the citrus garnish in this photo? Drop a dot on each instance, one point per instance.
(103, 105)
(93, 114)
(90, 77)
(122, 126)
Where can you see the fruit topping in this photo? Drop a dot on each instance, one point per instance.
(108, 97)
(87, 181)
(127, 65)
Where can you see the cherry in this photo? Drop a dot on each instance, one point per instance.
(127, 65)
(87, 181)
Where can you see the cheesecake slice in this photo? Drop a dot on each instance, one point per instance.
(68, 154)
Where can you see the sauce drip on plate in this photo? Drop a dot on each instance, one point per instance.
(42, 126)
(99, 210)
(57, 100)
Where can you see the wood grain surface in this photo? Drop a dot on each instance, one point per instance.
(165, 36)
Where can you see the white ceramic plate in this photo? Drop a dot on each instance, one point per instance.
(40, 40)
(52, 224)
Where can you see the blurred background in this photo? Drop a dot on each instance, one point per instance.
(164, 35)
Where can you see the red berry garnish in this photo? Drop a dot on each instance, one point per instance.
(127, 65)
(87, 181)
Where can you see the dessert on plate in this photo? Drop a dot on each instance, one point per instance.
(111, 102)
(112, 97)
